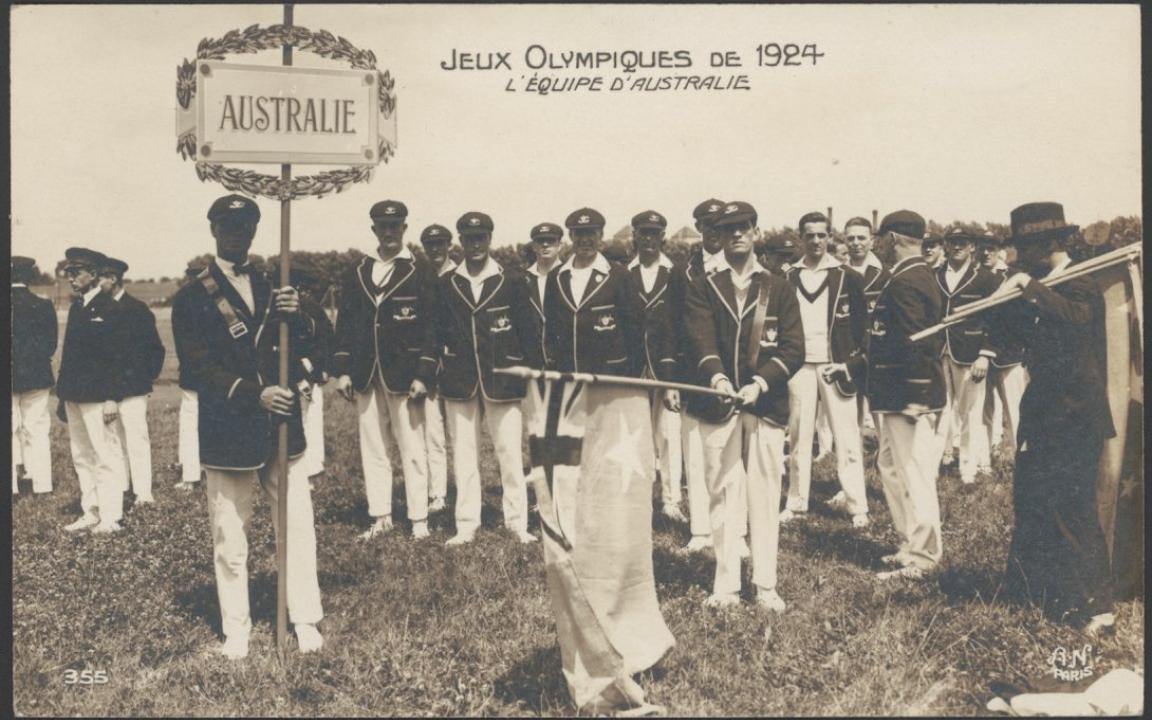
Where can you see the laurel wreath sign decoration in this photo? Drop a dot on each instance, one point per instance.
(254, 39)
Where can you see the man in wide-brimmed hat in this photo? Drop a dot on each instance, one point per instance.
(1058, 555)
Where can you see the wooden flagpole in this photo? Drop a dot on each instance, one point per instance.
(282, 444)
(1130, 253)
(640, 383)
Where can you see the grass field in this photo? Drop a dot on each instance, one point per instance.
(416, 628)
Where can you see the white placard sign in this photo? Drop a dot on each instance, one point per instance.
(269, 114)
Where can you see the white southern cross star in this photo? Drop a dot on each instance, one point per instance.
(1127, 486)
(631, 444)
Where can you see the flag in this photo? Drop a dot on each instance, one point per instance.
(1120, 486)
(591, 451)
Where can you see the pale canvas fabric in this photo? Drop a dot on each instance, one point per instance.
(603, 590)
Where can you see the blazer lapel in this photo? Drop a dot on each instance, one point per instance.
(364, 272)
(638, 278)
(835, 285)
(262, 296)
(464, 290)
(400, 272)
(596, 280)
(722, 285)
(662, 276)
(489, 289)
(565, 282)
(229, 290)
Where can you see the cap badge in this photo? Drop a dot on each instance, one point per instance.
(731, 209)
(474, 221)
(389, 210)
(583, 219)
(235, 204)
(713, 208)
(545, 228)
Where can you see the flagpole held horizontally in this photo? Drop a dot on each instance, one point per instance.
(528, 373)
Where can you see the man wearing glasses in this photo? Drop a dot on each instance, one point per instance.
(90, 390)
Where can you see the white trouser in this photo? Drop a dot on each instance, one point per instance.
(383, 415)
(1006, 385)
(825, 440)
(666, 442)
(188, 451)
(96, 455)
(964, 419)
(505, 426)
(135, 447)
(908, 461)
(806, 389)
(31, 438)
(744, 451)
(230, 494)
(313, 411)
(437, 451)
(693, 450)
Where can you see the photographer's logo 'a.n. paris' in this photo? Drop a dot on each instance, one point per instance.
(1072, 665)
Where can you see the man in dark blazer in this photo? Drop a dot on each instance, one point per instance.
(314, 366)
(437, 241)
(385, 357)
(145, 359)
(594, 320)
(657, 280)
(703, 261)
(226, 327)
(966, 354)
(858, 233)
(834, 315)
(90, 387)
(1007, 377)
(745, 338)
(484, 321)
(906, 393)
(1058, 557)
(34, 331)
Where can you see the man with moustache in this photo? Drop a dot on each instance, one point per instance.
(145, 360)
(966, 353)
(906, 392)
(90, 388)
(484, 321)
(386, 360)
(34, 337)
(704, 261)
(1058, 557)
(436, 240)
(655, 278)
(745, 338)
(834, 319)
(225, 327)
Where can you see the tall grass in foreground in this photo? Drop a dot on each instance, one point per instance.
(415, 628)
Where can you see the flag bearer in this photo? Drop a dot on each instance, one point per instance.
(745, 336)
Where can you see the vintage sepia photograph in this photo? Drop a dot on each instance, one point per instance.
(576, 360)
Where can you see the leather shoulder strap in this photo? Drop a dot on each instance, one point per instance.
(236, 327)
(758, 320)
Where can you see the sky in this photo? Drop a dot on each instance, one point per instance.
(957, 112)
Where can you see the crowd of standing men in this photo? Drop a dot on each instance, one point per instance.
(804, 340)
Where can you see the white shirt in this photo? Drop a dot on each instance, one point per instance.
(742, 281)
(869, 259)
(118, 295)
(814, 314)
(580, 276)
(448, 266)
(713, 261)
(241, 282)
(382, 269)
(952, 277)
(1057, 269)
(541, 277)
(491, 269)
(648, 273)
(90, 295)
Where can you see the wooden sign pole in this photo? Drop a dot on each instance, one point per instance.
(282, 445)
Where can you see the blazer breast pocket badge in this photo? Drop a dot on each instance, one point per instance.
(404, 313)
(769, 337)
(501, 323)
(605, 322)
(878, 329)
(842, 311)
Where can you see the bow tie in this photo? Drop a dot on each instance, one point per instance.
(245, 269)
